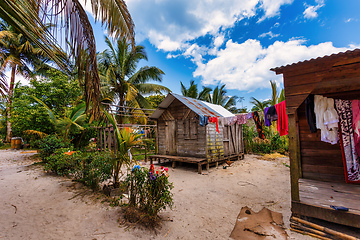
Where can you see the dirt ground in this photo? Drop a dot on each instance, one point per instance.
(38, 205)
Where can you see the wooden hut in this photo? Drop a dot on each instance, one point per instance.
(317, 171)
(180, 138)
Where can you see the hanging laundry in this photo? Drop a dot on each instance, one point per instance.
(258, 125)
(350, 156)
(310, 114)
(214, 120)
(203, 120)
(249, 115)
(267, 121)
(282, 124)
(355, 105)
(331, 120)
(228, 121)
(241, 118)
(326, 119)
(271, 114)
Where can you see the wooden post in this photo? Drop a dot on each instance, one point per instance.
(206, 147)
(156, 139)
(104, 139)
(109, 139)
(145, 152)
(294, 155)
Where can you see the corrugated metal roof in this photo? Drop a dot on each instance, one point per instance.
(199, 107)
(335, 55)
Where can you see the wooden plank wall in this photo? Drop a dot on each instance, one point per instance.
(191, 147)
(161, 137)
(215, 145)
(233, 140)
(185, 146)
(319, 160)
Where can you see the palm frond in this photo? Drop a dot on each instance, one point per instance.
(34, 132)
(50, 113)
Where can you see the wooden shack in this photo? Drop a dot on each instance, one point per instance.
(180, 138)
(317, 171)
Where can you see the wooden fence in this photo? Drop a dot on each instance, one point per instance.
(106, 141)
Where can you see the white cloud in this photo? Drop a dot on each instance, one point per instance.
(171, 24)
(311, 11)
(269, 34)
(246, 66)
(272, 7)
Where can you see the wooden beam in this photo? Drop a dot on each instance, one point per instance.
(327, 214)
(186, 114)
(294, 154)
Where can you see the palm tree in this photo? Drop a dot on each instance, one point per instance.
(20, 56)
(30, 17)
(259, 105)
(192, 91)
(275, 96)
(125, 84)
(219, 97)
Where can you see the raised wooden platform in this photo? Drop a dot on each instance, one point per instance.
(316, 197)
(199, 161)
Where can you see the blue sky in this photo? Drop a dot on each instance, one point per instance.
(236, 42)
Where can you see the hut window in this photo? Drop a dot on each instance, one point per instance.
(190, 129)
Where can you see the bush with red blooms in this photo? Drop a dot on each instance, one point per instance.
(149, 190)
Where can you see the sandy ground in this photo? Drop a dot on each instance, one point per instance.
(38, 205)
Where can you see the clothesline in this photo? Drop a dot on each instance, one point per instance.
(273, 113)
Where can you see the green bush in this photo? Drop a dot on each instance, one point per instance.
(93, 169)
(50, 144)
(60, 163)
(149, 191)
(89, 168)
(273, 143)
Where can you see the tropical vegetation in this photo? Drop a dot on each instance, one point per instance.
(123, 82)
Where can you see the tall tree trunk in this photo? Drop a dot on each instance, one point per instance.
(9, 105)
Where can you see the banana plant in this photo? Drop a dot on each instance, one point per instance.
(125, 139)
(72, 121)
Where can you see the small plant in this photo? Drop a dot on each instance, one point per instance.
(126, 139)
(93, 169)
(61, 163)
(149, 191)
(50, 144)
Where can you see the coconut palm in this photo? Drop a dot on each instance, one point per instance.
(275, 96)
(30, 17)
(192, 91)
(124, 84)
(259, 105)
(219, 97)
(19, 55)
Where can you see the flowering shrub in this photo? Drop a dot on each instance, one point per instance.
(149, 190)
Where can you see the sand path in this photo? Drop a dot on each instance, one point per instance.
(37, 205)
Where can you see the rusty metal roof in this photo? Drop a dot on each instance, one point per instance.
(198, 106)
(349, 53)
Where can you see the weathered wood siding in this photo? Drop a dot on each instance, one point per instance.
(336, 76)
(214, 141)
(191, 140)
(189, 136)
(233, 140)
